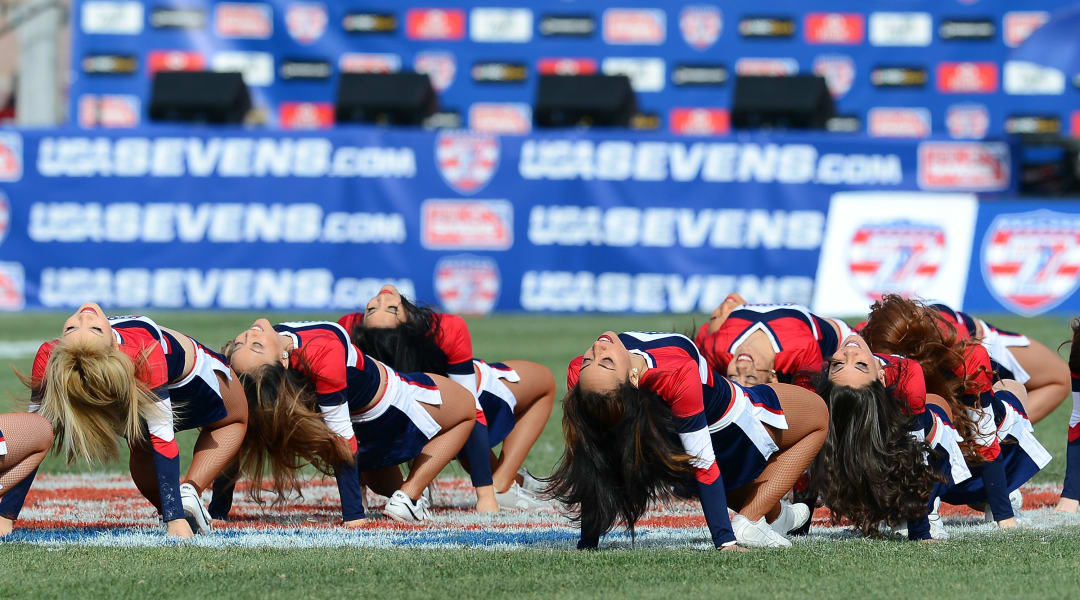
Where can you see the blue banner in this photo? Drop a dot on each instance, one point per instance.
(234, 219)
(1026, 257)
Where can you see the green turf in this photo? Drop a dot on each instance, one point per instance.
(1028, 565)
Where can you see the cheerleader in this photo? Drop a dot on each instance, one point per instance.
(129, 376)
(513, 399)
(315, 399)
(1070, 492)
(763, 343)
(1039, 369)
(645, 416)
(985, 413)
(22, 449)
(891, 451)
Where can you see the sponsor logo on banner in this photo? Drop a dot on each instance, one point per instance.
(1023, 78)
(507, 118)
(770, 67)
(5, 217)
(177, 18)
(898, 122)
(499, 72)
(175, 60)
(967, 77)
(467, 284)
(312, 70)
(112, 18)
(435, 24)
(1074, 123)
(964, 166)
(699, 121)
(257, 68)
(567, 26)
(838, 71)
(108, 110)
(12, 286)
(915, 244)
(967, 121)
(467, 225)
(645, 121)
(843, 124)
(766, 27)
(833, 28)
(1032, 124)
(967, 29)
(896, 257)
(109, 64)
(901, 29)
(11, 153)
(898, 76)
(369, 62)
(306, 115)
(699, 75)
(253, 21)
(440, 67)
(306, 21)
(514, 25)
(700, 25)
(466, 161)
(1031, 261)
(369, 22)
(634, 26)
(566, 66)
(646, 74)
(1018, 25)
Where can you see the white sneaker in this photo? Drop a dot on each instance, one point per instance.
(937, 526)
(531, 483)
(757, 534)
(402, 509)
(792, 516)
(518, 498)
(194, 511)
(1016, 499)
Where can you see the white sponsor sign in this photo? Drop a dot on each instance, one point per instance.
(257, 68)
(1027, 78)
(115, 18)
(501, 25)
(912, 243)
(646, 74)
(901, 29)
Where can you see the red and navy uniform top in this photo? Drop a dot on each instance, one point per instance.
(802, 340)
(905, 377)
(159, 360)
(679, 375)
(345, 381)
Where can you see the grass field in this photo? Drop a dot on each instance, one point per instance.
(1036, 563)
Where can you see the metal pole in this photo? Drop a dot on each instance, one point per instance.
(38, 91)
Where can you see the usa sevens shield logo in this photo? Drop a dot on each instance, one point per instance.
(467, 284)
(700, 25)
(1031, 261)
(466, 160)
(899, 257)
(306, 22)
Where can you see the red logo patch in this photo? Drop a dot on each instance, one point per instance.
(435, 24)
(566, 66)
(249, 21)
(967, 77)
(10, 156)
(108, 111)
(174, 60)
(700, 25)
(898, 122)
(964, 166)
(1031, 261)
(467, 284)
(834, 28)
(12, 286)
(699, 121)
(369, 62)
(306, 115)
(838, 71)
(768, 67)
(1017, 26)
(967, 121)
(634, 26)
(467, 225)
(305, 22)
(899, 257)
(505, 118)
(466, 161)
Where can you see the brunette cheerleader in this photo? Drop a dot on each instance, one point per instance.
(645, 416)
(513, 399)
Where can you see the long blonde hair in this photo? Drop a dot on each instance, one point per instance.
(91, 395)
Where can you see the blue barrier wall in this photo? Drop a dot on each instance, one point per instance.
(210, 218)
(899, 69)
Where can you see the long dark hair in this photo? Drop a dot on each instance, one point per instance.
(621, 454)
(908, 328)
(409, 347)
(870, 469)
